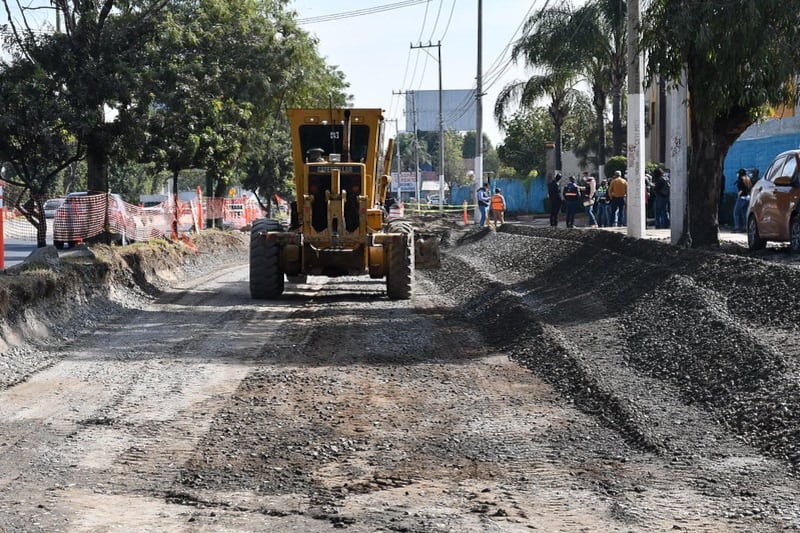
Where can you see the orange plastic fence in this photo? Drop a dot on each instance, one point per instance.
(83, 217)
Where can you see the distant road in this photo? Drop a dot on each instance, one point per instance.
(20, 240)
(16, 250)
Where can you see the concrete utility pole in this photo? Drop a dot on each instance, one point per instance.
(441, 122)
(636, 198)
(478, 179)
(679, 212)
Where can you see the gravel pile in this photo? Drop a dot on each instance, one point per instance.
(638, 332)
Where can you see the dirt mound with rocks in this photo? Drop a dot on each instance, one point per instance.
(646, 336)
(51, 297)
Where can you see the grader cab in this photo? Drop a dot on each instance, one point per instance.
(339, 225)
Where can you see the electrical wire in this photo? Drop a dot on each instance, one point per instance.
(360, 12)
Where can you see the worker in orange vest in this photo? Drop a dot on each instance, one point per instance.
(498, 207)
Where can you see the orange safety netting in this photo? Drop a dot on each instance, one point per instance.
(83, 217)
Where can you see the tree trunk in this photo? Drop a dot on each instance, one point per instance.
(176, 204)
(557, 127)
(616, 123)
(599, 109)
(96, 165)
(41, 227)
(705, 175)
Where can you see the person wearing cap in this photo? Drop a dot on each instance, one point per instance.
(588, 188)
(743, 186)
(603, 204)
(483, 203)
(617, 190)
(498, 207)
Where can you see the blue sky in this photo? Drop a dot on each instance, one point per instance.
(374, 50)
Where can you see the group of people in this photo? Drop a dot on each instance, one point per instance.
(494, 204)
(605, 203)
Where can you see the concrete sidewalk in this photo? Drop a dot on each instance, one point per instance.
(725, 234)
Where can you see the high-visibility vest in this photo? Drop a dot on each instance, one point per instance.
(497, 202)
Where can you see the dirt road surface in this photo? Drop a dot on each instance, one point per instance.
(540, 381)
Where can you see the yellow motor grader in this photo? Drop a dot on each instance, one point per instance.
(339, 223)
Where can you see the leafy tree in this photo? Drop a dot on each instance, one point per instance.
(580, 134)
(100, 63)
(408, 153)
(491, 162)
(225, 71)
(602, 46)
(527, 132)
(731, 76)
(34, 138)
(455, 171)
(542, 47)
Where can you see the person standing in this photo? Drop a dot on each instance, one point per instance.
(617, 190)
(603, 205)
(588, 189)
(483, 203)
(554, 195)
(572, 198)
(498, 206)
(661, 188)
(743, 186)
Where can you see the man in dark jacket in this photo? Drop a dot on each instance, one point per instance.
(572, 197)
(661, 189)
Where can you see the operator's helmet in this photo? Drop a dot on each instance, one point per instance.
(315, 154)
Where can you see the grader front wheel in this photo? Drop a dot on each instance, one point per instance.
(266, 276)
(400, 262)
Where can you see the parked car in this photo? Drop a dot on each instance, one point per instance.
(51, 205)
(434, 199)
(774, 210)
(82, 216)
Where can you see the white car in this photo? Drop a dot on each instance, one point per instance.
(51, 205)
(434, 199)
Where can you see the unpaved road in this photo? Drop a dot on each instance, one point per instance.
(335, 408)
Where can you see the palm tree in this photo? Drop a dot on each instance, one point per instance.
(606, 32)
(543, 47)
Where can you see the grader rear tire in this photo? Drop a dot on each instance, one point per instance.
(266, 277)
(400, 262)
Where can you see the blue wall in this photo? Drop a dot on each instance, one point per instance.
(519, 199)
(756, 153)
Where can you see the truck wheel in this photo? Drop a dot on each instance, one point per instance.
(266, 277)
(400, 272)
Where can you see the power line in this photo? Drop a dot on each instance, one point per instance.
(360, 12)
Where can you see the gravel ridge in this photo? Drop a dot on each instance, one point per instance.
(675, 332)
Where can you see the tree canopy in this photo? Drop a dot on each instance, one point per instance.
(191, 84)
(732, 73)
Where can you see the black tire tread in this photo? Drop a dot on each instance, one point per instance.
(266, 277)
(400, 272)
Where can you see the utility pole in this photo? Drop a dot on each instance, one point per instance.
(478, 178)
(635, 175)
(441, 122)
(679, 212)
